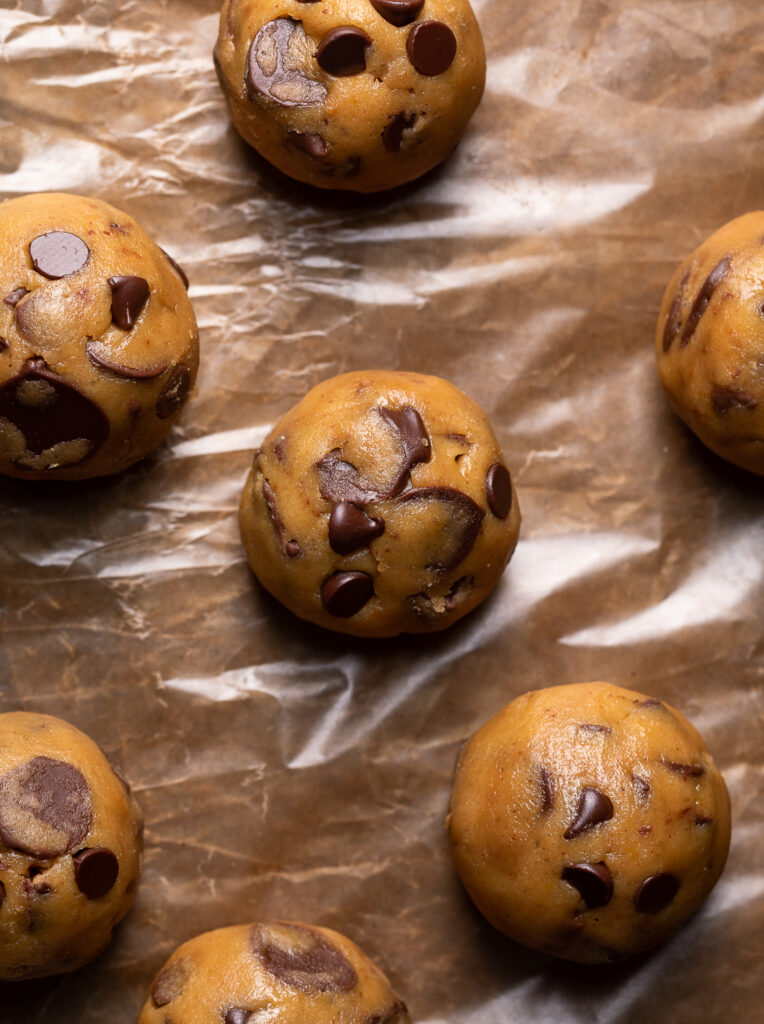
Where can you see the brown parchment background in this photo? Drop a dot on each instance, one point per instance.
(291, 773)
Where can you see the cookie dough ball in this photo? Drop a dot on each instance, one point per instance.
(381, 504)
(710, 342)
(98, 342)
(71, 841)
(588, 821)
(283, 972)
(364, 95)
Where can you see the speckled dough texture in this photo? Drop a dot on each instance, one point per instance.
(588, 821)
(98, 342)
(71, 841)
(282, 972)
(355, 94)
(710, 342)
(380, 504)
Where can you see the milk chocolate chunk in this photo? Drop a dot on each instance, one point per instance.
(342, 51)
(689, 771)
(431, 47)
(414, 440)
(705, 295)
(459, 533)
(273, 68)
(169, 983)
(174, 393)
(100, 355)
(13, 298)
(45, 808)
(95, 872)
(392, 136)
(177, 268)
(289, 546)
(58, 254)
(129, 295)
(341, 481)
(498, 490)
(351, 529)
(344, 594)
(398, 12)
(237, 1015)
(593, 881)
(723, 399)
(303, 959)
(593, 808)
(547, 790)
(655, 893)
(308, 142)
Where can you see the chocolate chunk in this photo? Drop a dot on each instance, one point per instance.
(345, 593)
(45, 808)
(701, 819)
(342, 51)
(3, 344)
(458, 536)
(398, 12)
(649, 702)
(397, 1013)
(459, 592)
(547, 790)
(592, 727)
(430, 606)
(593, 808)
(128, 297)
(687, 770)
(289, 546)
(414, 440)
(280, 448)
(392, 136)
(174, 393)
(236, 1015)
(177, 268)
(705, 294)
(340, 481)
(642, 787)
(14, 297)
(655, 893)
(2, 894)
(272, 67)
(723, 399)
(593, 881)
(351, 529)
(308, 142)
(95, 872)
(58, 254)
(673, 322)
(431, 47)
(169, 983)
(302, 958)
(98, 354)
(498, 489)
(46, 422)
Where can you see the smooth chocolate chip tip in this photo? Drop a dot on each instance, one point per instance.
(342, 51)
(593, 882)
(344, 594)
(655, 893)
(593, 808)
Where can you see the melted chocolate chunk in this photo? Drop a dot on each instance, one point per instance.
(95, 872)
(177, 268)
(689, 771)
(58, 254)
(593, 881)
(169, 983)
(398, 12)
(642, 787)
(129, 295)
(342, 52)
(174, 393)
(705, 294)
(723, 399)
(289, 546)
(392, 136)
(459, 536)
(655, 893)
(14, 297)
(308, 142)
(340, 481)
(45, 808)
(547, 790)
(351, 529)
(345, 593)
(413, 438)
(98, 354)
(593, 808)
(237, 1015)
(498, 489)
(431, 47)
(303, 958)
(272, 67)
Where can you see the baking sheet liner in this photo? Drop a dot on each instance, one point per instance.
(286, 772)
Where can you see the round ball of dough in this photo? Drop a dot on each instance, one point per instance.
(281, 971)
(380, 504)
(98, 342)
(710, 342)
(71, 842)
(363, 96)
(588, 821)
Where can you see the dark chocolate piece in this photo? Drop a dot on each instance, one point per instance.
(308, 142)
(414, 440)
(45, 808)
(345, 593)
(315, 966)
(392, 136)
(272, 67)
(341, 481)
(129, 295)
(593, 881)
(655, 893)
(398, 12)
(642, 787)
(723, 399)
(431, 47)
(177, 268)
(289, 546)
(459, 536)
(2, 894)
(593, 808)
(593, 727)
(342, 51)
(174, 393)
(351, 529)
(237, 1015)
(58, 254)
(547, 790)
(169, 983)
(689, 771)
(705, 294)
(97, 353)
(498, 490)
(95, 872)
(3, 345)
(14, 297)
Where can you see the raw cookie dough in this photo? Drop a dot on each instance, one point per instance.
(588, 821)
(710, 342)
(71, 841)
(281, 972)
(380, 504)
(362, 95)
(98, 342)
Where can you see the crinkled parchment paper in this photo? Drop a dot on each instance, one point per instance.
(292, 773)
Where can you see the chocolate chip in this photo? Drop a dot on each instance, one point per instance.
(593, 881)
(2, 894)
(308, 142)
(655, 893)
(289, 546)
(392, 136)
(45, 808)
(397, 1014)
(592, 727)
(414, 440)
(498, 489)
(272, 66)
(128, 297)
(642, 786)
(14, 297)
(459, 592)
(98, 353)
(398, 12)
(593, 808)
(689, 771)
(723, 399)
(701, 819)
(342, 51)
(430, 606)
(345, 593)
(431, 47)
(673, 322)
(547, 790)
(169, 983)
(177, 268)
(95, 872)
(303, 959)
(705, 294)
(341, 481)
(236, 1015)
(3, 345)
(174, 393)
(280, 448)
(351, 529)
(649, 702)
(58, 254)
(458, 535)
